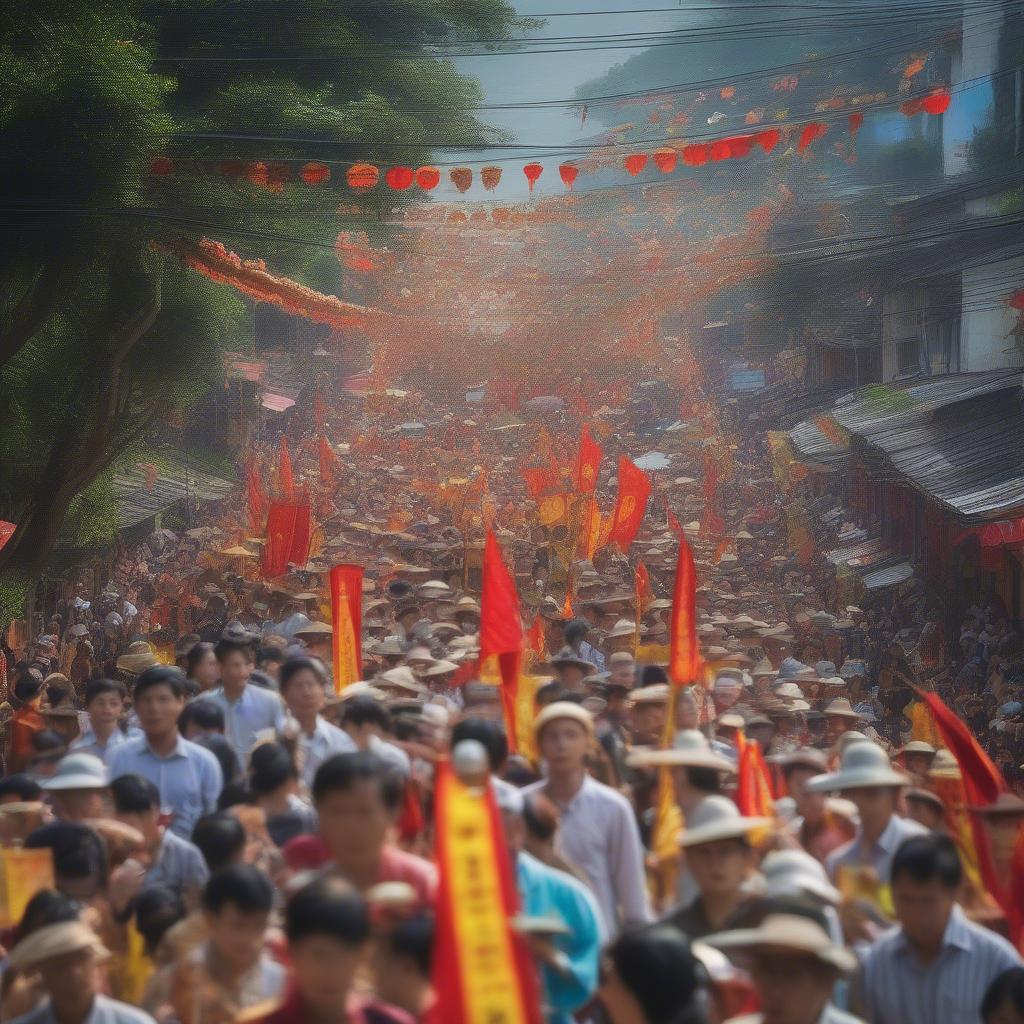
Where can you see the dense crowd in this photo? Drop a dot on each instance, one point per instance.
(231, 838)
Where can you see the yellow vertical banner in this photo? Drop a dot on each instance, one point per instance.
(23, 873)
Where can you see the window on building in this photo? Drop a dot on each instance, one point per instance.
(908, 356)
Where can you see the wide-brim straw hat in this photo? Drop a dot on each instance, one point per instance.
(312, 629)
(863, 764)
(793, 872)
(137, 658)
(563, 710)
(399, 678)
(567, 657)
(690, 749)
(55, 940)
(718, 817)
(791, 933)
(944, 766)
(841, 708)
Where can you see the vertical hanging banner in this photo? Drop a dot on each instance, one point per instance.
(287, 537)
(630, 504)
(347, 622)
(501, 629)
(588, 462)
(285, 477)
(482, 970)
(684, 651)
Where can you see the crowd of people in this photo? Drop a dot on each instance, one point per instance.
(231, 838)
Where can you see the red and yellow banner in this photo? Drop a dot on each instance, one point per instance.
(630, 504)
(287, 537)
(482, 971)
(347, 620)
(684, 650)
(588, 462)
(753, 794)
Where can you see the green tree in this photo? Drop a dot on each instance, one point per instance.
(101, 334)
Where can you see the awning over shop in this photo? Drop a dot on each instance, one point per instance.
(889, 576)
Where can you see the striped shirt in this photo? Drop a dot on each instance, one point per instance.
(894, 987)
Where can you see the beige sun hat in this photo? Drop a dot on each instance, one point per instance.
(918, 747)
(862, 764)
(690, 749)
(794, 872)
(624, 627)
(137, 658)
(563, 709)
(657, 693)
(440, 668)
(718, 817)
(399, 678)
(55, 940)
(944, 765)
(840, 707)
(791, 933)
(314, 629)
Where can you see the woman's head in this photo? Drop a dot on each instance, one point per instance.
(201, 665)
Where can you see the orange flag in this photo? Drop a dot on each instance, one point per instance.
(501, 628)
(482, 970)
(673, 524)
(535, 639)
(630, 505)
(588, 462)
(285, 479)
(684, 651)
(347, 620)
(328, 463)
(753, 794)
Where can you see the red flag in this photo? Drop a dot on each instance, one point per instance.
(285, 480)
(753, 794)
(287, 537)
(673, 524)
(535, 638)
(501, 627)
(644, 593)
(482, 969)
(588, 462)
(541, 480)
(328, 463)
(257, 500)
(630, 505)
(410, 818)
(684, 651)
(346, 583)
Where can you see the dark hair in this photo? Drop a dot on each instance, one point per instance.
(652, 675)
(1007, 987)
(707, 780)
(47, 907)
(220, 838)
(927, 858)
(22, 786)
(28, 687)
(343, 771)
(235, 794)
(241, 886)
(78, 852)
(157, 909)
(262, 680)
(413, 938)
(161, 675)
(293, 666)
(223, 751)
(57, 692)
(575, 630)
(328, 906)
(540, 816)
(548, 693)
(196, 655)
(270, 767)
(48, 741)
(365, 710)
(268, 654)
(134, 794)
(205, 714)
(229, 644)
(98, 687)
(658, 967)
(486, 731)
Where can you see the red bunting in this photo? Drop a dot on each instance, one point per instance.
(489, 177)
(937, 103)
(461, 178)
(362, 176)
(695, 155)
(684, 651)
(811, 133)
(315, 173)
(635, 163)
(568, 173)
(533, 172)
(665, 159)
(739, 146)
(1016, 300)
(721, 150)
(768, 139)
(428, 178)
(399, 178)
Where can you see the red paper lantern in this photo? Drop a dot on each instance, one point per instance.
(811, 133)
(1017, 299)
(315, 173)
(665, 159)
(936, 103)
(257, 174)
(428, 178)
(768, 139)
(721, 150)
(739, 146)
(490, 176)
(462, 178)
(533, 172)
(568, 173)
(161, 166)
(695, 155)
(856, 121)
(398, 178)
(278, 175)
(635, 163)
(363, 176)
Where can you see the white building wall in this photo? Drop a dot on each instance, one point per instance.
(986, 338)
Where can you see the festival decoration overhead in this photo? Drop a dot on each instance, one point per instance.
(346, 587)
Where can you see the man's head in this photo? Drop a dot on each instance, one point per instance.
(137, 803)
(221, 839)
(721, 867)
(29, 688)
(270, 660)
(328, 926)
(68, 957)
(925, 878)
(236, 660)
(875, 804)
(564, 733)
(104, 700)
(79, 857)
(401, 962)
(364, 717)
(487, 732)
(236, 907)
(301, 681)
(622, 668)
(926, 808)
(1004, 999)
(79, 788)
(201, 718)
(159, 697)
(357, 798)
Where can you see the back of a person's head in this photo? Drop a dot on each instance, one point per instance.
(486, 731)
(928, 858)
(28, 686)
(134, 794)
(576, 631)
(365, 710)
(652, 675)
(45, 908)
(48, 741)
(220, 838)
(343, 772)
(271, 766)
(241, 886)
(413, 939)
(328, 906)
(658, 967)
(222, 750)
(540, 816)
(21, 786)
(157, 909)
(78, 852)
(203, 714)
(1006, 992)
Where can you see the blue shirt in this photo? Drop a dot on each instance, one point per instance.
(894, 987)
(88, 744)
(314, 748)
(179, 865)
(104, 1011)
(545, 892)
(856, 854)
(189, 778)
(256, 711)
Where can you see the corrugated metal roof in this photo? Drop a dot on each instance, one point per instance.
(889, 576)
(810, 442)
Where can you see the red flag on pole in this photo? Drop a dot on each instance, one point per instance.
(753, 794)
(347, 621)
(287, 537)
(285, 479)
(630, 504)
(588, 462)
(684, 651)
(501, 628)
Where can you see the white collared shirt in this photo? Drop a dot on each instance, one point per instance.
(254, 712)
(853, 854)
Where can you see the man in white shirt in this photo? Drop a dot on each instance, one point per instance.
(367, 722)
(303, 689)
(598, 831)
(104, 705)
